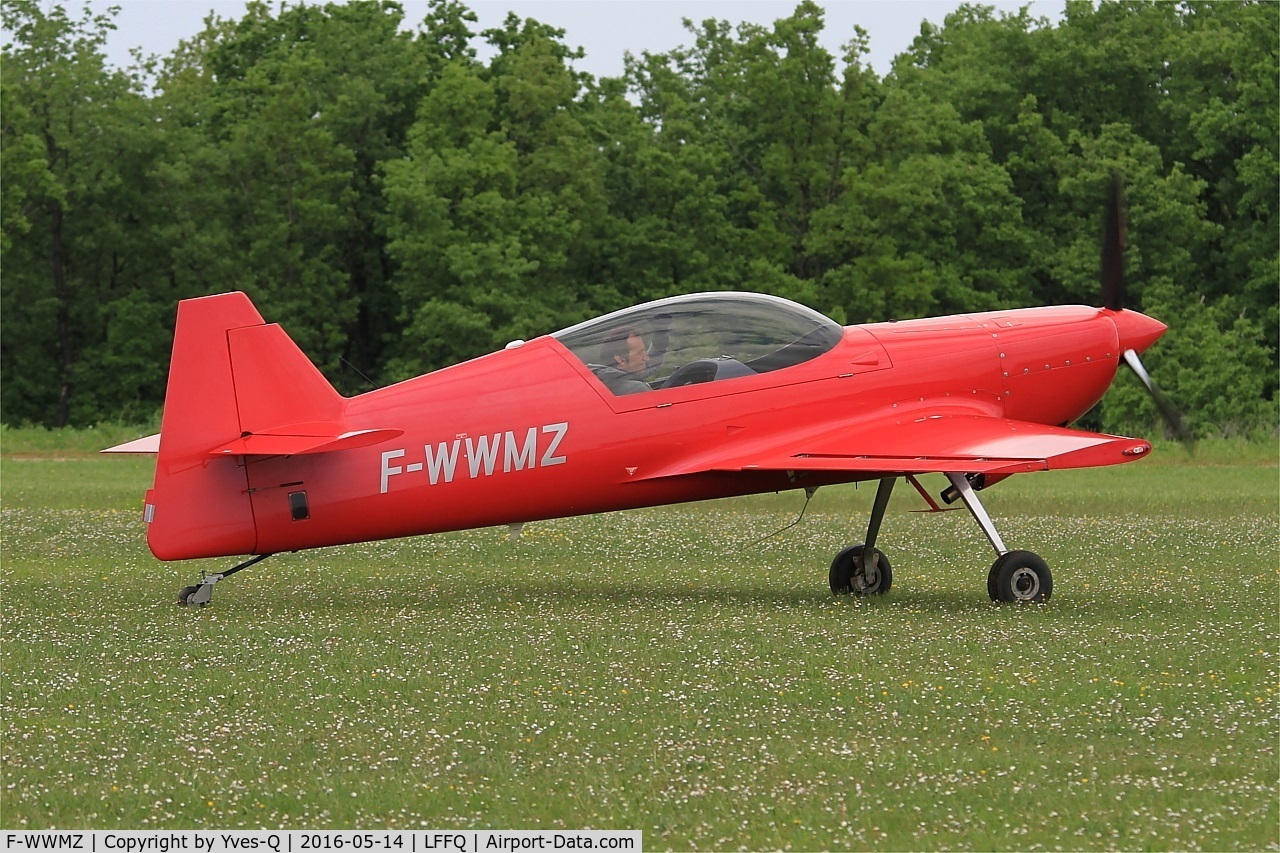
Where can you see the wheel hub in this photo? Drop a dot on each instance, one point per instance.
(866, 577)
(866, 580)
(1025, 584)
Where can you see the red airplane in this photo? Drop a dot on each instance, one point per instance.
(693, 397)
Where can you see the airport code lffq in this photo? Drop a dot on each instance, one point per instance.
(321, 841)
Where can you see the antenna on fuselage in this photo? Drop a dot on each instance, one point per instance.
(359, 372)
(809, 492)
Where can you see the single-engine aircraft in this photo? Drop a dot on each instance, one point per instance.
(692, 397)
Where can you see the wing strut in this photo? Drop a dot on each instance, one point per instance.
(928, 499)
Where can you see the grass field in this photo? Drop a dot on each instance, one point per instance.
(650, 670)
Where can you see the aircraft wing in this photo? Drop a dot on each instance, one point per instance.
(970, 444)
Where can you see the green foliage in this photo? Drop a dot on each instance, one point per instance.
(488, 210)
(284, 122)
(79, 222)
(934, 227)
(398, 204)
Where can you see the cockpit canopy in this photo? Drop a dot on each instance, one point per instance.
(700, 337)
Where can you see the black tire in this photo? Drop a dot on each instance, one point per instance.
(184, 594)
(846, 580)
(1020, 577)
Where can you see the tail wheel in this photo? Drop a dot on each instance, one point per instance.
(850, 574)
(184, 594)
(1020, 576)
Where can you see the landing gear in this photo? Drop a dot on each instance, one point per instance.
(201, 594)
(1016, 576)
(856, 572)
(1019, 576)
(863, 569)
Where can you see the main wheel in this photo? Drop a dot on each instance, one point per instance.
(184, 594)
(848, 578)
(1019, 576)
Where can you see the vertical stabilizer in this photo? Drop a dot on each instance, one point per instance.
(199, 506)
(232, 377)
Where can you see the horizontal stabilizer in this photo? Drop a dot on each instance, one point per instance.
(284, 443)
(148, 444)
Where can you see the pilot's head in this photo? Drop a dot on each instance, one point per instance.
(624, 349)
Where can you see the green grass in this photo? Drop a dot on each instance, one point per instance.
(651, 670)
(46, 441)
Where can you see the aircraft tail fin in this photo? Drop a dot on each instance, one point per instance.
(231, 375)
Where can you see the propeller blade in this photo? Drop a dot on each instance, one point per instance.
(1113, 236)
(1167, 410)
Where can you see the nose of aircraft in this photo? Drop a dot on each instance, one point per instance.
(1137, 331)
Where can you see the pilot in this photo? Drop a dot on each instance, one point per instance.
(625, 362)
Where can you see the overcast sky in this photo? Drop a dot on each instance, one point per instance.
(605, 29)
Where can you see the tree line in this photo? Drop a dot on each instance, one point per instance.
(399, 204)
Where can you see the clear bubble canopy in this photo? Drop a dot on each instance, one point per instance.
(699, 337)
